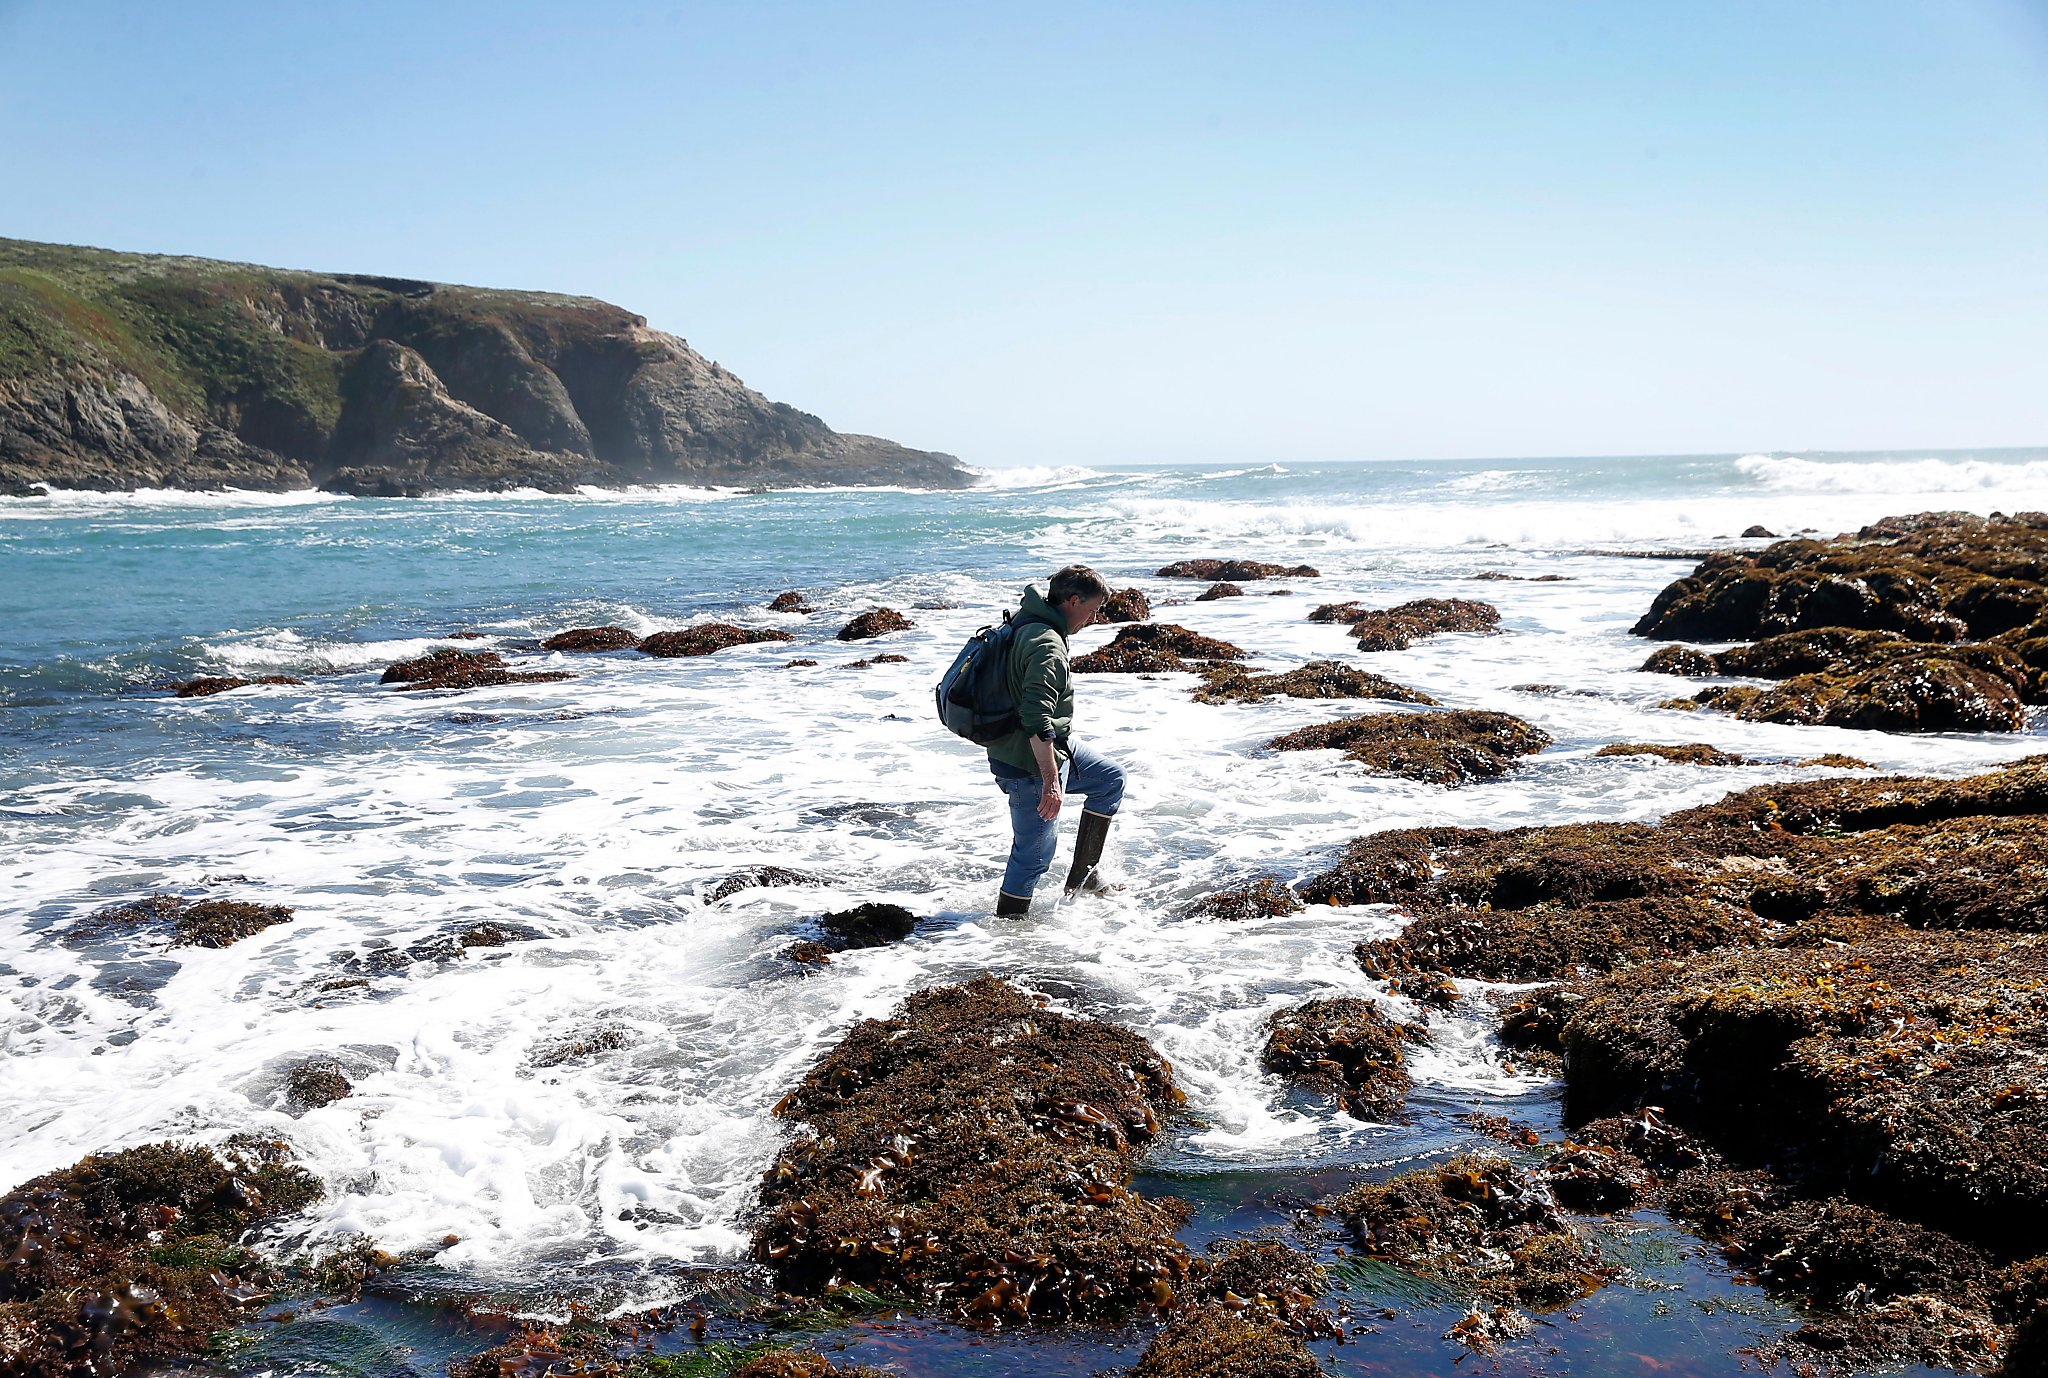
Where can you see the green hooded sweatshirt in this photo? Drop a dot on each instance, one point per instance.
(1039, 685)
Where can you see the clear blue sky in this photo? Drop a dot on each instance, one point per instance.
(1144, 231)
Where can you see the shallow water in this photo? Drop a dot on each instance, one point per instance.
(593, 814)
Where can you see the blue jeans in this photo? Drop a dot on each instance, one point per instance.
(1097, 779)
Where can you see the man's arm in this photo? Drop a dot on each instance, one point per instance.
(1049, 778)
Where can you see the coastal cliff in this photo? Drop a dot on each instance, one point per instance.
(121, 371)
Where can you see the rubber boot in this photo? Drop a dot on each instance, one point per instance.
(1009, 906)
(1087, 853)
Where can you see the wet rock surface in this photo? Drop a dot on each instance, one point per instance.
(1154, 647)
(127, 1262)
(1127, 605)
(592, 639)
(1399, 627)
(1345, 1048)
(873, 623)
(707, 638)
(791, 601)
(1235, 571)
(1454, 747)
(448, 668)
(1319, 679)
(1482, 1225)
(869, 925)
(1264, 897)
(1216, 591)
(180, 922)
(207, 686)
(1687, 754)
(974, 1151)
(317, 1082)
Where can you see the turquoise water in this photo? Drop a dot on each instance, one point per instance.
(591, 816)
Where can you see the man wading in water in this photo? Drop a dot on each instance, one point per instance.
(1037, 766)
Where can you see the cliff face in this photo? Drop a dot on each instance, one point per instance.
(130, 371)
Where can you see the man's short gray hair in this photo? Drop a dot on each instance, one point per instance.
(1076, 581)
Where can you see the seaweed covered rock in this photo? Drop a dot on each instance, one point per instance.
(1342, 1047)
(1398, 627)
(1264, 897)
(1216, 591)
(207, 686)
(592, 639)
(317, 1082)
(869, 925)
(791, 601)
(1938, 689)
(448, 668)
(1689, 754)
(1236, 571)
(1479, 1224)
(127, 1262)
(1319, 679)
(1127, 605)
(1688, 662)
(181, 923)
(1934, 577)
(1906, 1061)
(1448, 748)
(975, 1150)
(707, 638)
(1217, 1341)
(1152, 647)
(873, 623)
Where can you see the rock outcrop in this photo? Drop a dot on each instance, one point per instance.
(132, 370)
(1447, 748)
(1399, 627)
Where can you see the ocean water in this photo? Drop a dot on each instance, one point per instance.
(592, 815)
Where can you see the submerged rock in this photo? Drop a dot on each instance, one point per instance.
(1449, 748)
(209, 923)
(869, 925)
(1154, 647)
(124, 1263)
(1127, 605)
(318, 1082)
(1689, 754)
(792, 601)
(1397, 628)
(1342, 1047)
(1478, 1224)
(1319, 679)
(592, 639)
(1217, 1341)
(975, 1150)
(873, 623)
(207, 686)
(754, 876)
(1235, 571)
(707, 638)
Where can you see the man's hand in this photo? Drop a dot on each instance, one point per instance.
(1049, 800)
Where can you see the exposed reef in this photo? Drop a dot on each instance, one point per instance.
(707, 638)
(592, 639)
(121, 371)
(1689, 754)
(129, 1262)
(1152, 647)
(755, 876)
(974, 1151)
(1127, 605)
(1319, 679)
(873, 623)
(1235, 571)
(1263, 897)
(208, 686)
(180, 922)
(448, 668)
(1399, 627)
(1448, 748)
(1216, 591)
(1342, 1047)
(791, 601)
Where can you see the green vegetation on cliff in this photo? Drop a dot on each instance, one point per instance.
(135, 370)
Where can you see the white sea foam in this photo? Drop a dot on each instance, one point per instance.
(1037, 476)
(81, 502)
(1898, 477)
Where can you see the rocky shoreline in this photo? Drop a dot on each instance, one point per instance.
(123, 371)
(1808, 1021)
